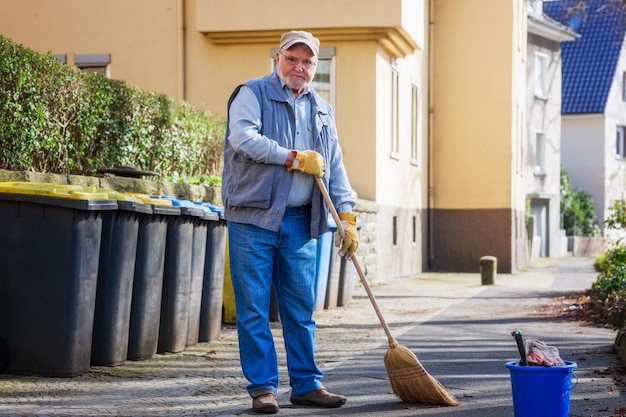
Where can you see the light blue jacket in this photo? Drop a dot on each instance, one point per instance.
(255, 187)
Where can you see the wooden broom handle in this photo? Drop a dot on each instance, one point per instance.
(357, 266)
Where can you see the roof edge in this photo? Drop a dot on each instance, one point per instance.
(551, 29)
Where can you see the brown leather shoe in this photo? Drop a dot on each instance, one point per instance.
(264, 401)
(319, 398)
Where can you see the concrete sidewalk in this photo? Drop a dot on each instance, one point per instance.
(459, 330)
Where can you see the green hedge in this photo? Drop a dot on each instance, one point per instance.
(59, 119)
(611, 282)
(577, 210)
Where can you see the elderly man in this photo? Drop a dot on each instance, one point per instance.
(280, 135)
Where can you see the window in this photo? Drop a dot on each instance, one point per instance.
(624, 86)
(541, 75)
(98, 63)
(414, 124)
(620, 146)
(540, 154)
(324, 80)
(395, 111)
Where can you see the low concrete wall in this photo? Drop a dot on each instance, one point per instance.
(367, 212)
(585, 246)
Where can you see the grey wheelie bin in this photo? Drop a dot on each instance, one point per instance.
(174, 318)
(145, 309)
(49, 253)
(198, 260)
(115, 280)
(213, 287)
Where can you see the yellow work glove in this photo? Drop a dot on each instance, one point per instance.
(350, 241)
(309, 162)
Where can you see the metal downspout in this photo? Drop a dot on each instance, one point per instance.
(431, 136)
(181, 49)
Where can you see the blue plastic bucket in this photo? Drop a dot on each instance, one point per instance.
(541, 390)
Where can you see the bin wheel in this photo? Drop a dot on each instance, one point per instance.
(4, 356)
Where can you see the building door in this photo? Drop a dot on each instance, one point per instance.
(539, 210)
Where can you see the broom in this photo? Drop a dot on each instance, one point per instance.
(409, 380)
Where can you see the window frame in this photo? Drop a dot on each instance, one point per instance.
(61, 58)
(540, 154)
(394, 143)
(541, 75)
(415, 125)
(620, 143)
(93, 62)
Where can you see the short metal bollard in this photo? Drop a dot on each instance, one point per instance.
(488, 270)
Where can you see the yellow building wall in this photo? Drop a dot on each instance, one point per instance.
(356, 113)
(142, 36)
(478, 133)
(473, 114)
(213, 71)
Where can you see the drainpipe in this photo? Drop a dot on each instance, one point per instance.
(431, 136)
(181, 49)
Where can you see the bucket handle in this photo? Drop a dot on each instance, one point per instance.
(569, 391)
(575, 383)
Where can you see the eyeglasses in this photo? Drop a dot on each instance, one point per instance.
(293, 61)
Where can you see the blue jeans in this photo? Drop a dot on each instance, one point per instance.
(286, 259)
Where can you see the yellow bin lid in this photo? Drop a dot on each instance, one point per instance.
(53, 190)
(60, 195)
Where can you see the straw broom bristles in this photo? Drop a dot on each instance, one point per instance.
(410, 381)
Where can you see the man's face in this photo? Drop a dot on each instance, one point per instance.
(295, 74)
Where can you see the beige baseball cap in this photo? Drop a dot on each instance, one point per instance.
(299, 36)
